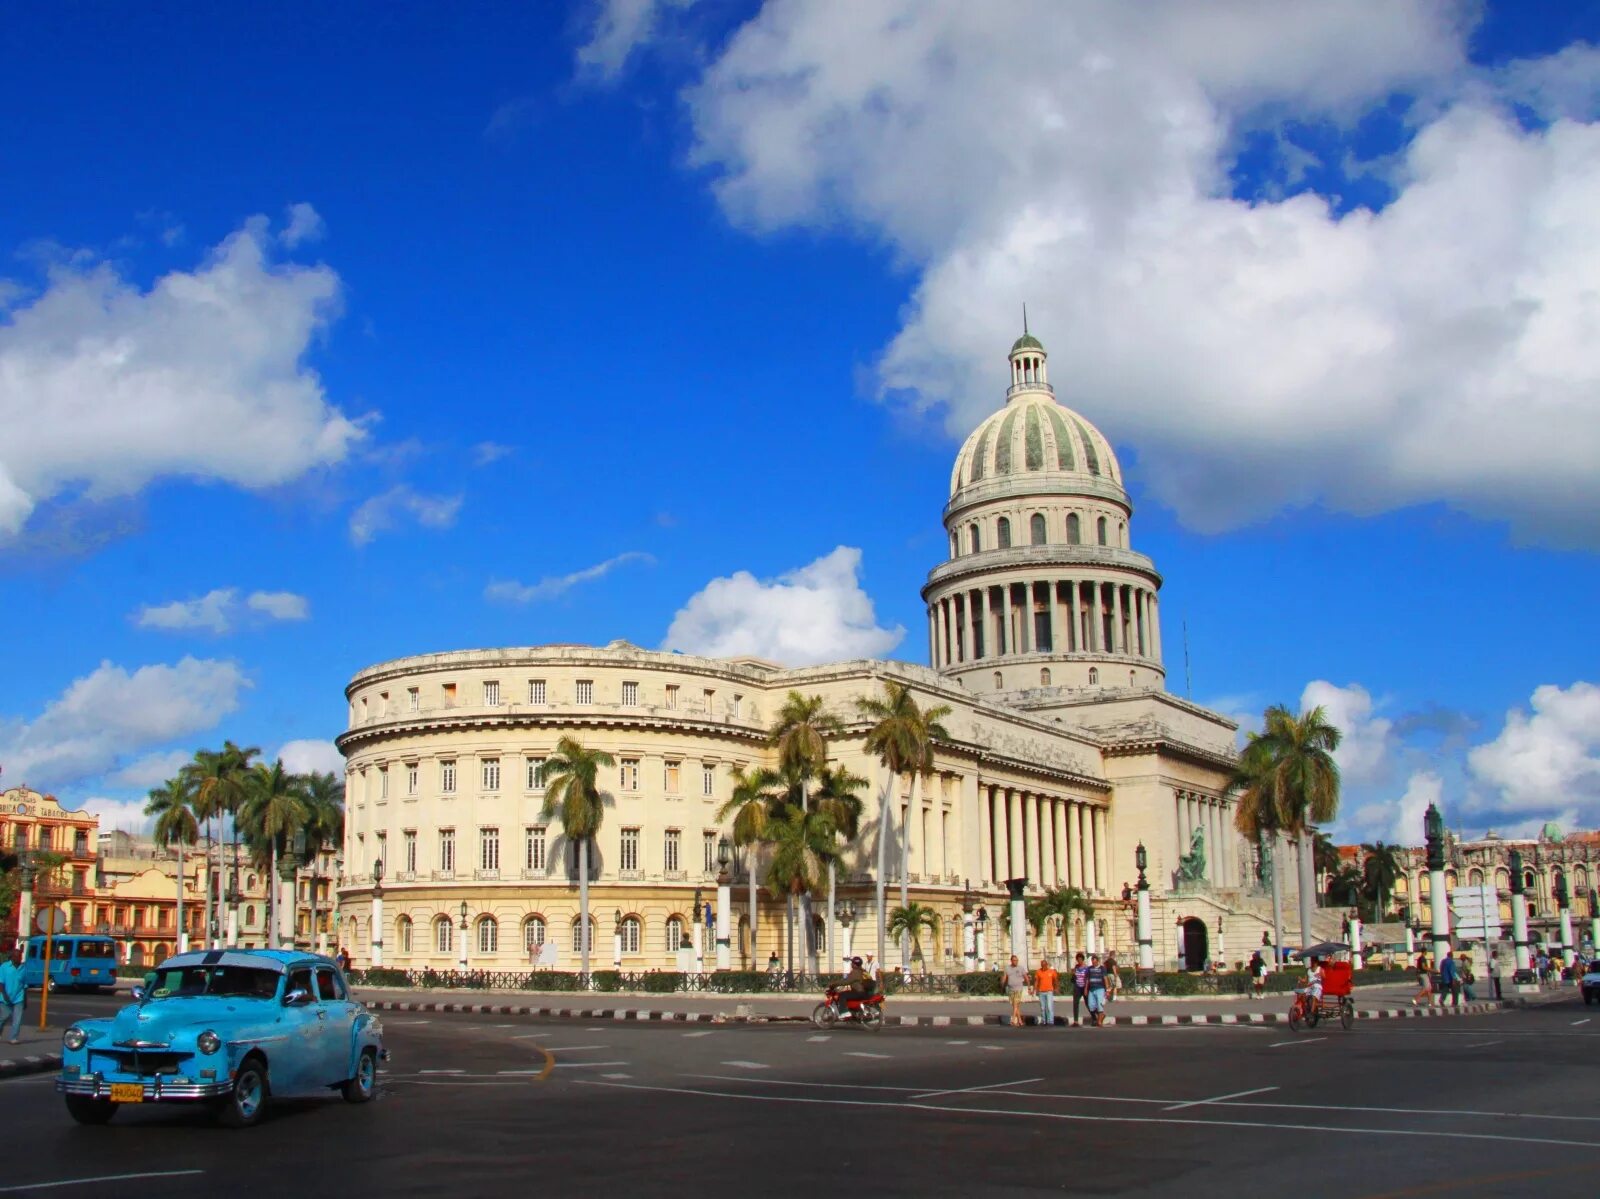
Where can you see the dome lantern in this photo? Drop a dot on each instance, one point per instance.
(1028, 371)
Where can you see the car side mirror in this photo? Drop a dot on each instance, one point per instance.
(298, 997)
(138, 994)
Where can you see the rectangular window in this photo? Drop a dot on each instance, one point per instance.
(449, 695)
(488, 849)
(534, 848)
(535, 776)
(491, 694)
(491, 774)
(584, 693)
(630, 849)
(673, 780)
(363, 707)
(383, 850)
(669, 857)
(383, 782)
(447, 777)
(708, 846)
(630, 695)
(672, 695)
(710, 697)
(536, 691)
(411, 778)
(708, 778)
(410, 866)
(413, 699)
(447, 850)
(738, 704)
(630, 774)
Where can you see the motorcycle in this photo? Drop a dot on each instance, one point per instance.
(865, 1010)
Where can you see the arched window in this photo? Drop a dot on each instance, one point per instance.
(1502, 879)
(1122, 534)
(533, 933)
(1074, 529)
(631, 934)
(999, 681)
(402, 934)
(1100, 530)
(250, 882)
(444, 936)
(955, 545)
(1528, 880)
(1044, 677)
(973, 540)
(488, 935)
(1036, 529)
(1094, 675)
(1475, 877)
(577, 947)
(1003, 532)
(250, 914)
(674, 934)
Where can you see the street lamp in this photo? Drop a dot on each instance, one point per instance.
(724, 902)
(1147, 958)
(377, 912)
(845, 913)
(981, 944)
(697, 922)
(1564, 909)
(461, 953)
(234, 897)
(616, 940)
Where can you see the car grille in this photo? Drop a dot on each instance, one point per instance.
(139, 1061)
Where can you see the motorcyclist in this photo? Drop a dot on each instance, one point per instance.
(857, 985)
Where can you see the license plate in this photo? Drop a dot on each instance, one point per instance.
(127, 1092)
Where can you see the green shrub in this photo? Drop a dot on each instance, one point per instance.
(380, 976)
(662, 982)
(730, 982)
(606, 980)
(980, 982)
(549, 980)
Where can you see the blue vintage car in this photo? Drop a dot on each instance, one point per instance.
(226, 1027)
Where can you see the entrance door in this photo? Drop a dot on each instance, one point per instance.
(1196, 944)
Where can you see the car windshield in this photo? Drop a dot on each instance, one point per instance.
(235, 982)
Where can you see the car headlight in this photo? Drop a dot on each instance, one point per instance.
(208, 1042)
(74, 1038)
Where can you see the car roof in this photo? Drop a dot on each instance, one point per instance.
(279, 960)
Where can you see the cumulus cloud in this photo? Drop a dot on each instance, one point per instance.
(386, 510)
(510, 591)
(618, 28)
(151, 770)
(221, 611)
(817, 613)
(305, 224)
(306, 756)
(105, 387)
(111, 714)
(1544, 764)
(118, 815)
(1398, 822)
(486, 452)
(1363, 754)
(1438, 348)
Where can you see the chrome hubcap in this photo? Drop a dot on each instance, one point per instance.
(367, 1071)
(248, 1095)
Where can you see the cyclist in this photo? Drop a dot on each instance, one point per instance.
(1312, 991)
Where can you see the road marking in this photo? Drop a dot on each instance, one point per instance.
(441, 1071)
(784, 1082)
(818, 1040)
(538, 1071)
(859, 1053)
(530, 1036)
(571, 1048)
(982, 1087)
(407, 1023)
(1342, 1131)
(585, 1065)
(1483, 1045)
(616, 1076)
(1218, 1099)
(1297, 1041)
(702, 1033)
(747, 1065)
(958, 1042)
(992, 1048)
(78, 1182)
(1575, 1023)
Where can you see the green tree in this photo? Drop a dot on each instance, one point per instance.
(1305, 785)
(324, 828)
(1058, 902)
(1346, 887)
(219, 777)
(1256, 817)
(172, 804)
(911, 921)
(272, 812)
(803, 842)
(748, 807)
(901, 737)
(1380, 872)
(572, 791)
(800, 735)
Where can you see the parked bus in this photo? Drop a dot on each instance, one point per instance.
(78, 961)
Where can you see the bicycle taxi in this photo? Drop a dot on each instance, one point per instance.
(1336, 999)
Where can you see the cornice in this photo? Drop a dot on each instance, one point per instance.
(1035, 557)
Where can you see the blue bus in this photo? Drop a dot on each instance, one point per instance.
(78, 961)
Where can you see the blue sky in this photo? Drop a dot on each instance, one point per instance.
(327, 337)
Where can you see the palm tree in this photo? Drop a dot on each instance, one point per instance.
(273, 811)
(803, 843)
(901, 737)
(572, 789)
(1305, 784)
(748, 808)
(910, 921)
(1380, 872)
(219, 776)
(1325, 858)
(324, 827)
(1345, 886)
(800, 735)
(1065, 902)
(1256, 816)
(838, 794)
(172, 804)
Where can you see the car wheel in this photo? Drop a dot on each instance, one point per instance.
(85, 1110)
(245, 1105)
(364, 1085)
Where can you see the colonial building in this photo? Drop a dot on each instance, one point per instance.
(34, 824)
(1065, 752)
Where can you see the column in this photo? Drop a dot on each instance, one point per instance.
(1101, 866)
(1016, 863)
(985, 835)
(1057, 645)
(979, 634)
(1229, 847)
(1138, 621)
(1119, 638)
(1084, 879)
(1025, 621)
(1063, 859)
(1155, 627)
(1097, 630)
(997, 816)
(1069, 835)
(1003, 641)
(1075, 597)
(1047, 840)
(1213, 843)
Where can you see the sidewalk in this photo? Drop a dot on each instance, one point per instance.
(36, 1050)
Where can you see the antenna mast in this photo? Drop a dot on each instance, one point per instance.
(1188, 679)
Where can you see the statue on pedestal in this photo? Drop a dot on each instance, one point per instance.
(1192, 865)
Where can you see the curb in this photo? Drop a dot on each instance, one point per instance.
(33, 1064)
(507, 1009)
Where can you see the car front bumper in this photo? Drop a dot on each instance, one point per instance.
(156, 1090)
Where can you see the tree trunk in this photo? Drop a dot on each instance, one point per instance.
(1307, 885)
(788, 949)
(205, 933)
(833, 948)
(905, 867)
(750, 872)
(883, 862)
(182, 941)
(803, 900)
(583, 904)
(1277, 900)
(273, 897)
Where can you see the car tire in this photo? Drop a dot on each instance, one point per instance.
(364, 1085)
(244, 1106)
(87, 1110)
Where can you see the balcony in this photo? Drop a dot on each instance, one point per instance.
(406, 876)
(487, 876)
(444, 876)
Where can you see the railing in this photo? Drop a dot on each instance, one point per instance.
(488, 876)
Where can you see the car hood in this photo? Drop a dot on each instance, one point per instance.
(162, 1021)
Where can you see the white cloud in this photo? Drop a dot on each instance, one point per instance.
(105, 387)
(220, 611)
(818, 613)
(1363, 754)
(1547, 764)
(618, 29)
(384, 511)
(305, 756)
(117, 815)
(1440, 349)
(486, 452)
(1399, 822)
(512, 592)
(110, 714)
(151, 770)
(305, 224)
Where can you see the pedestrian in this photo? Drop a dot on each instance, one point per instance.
(1424, 994)
(1016, 983)
(1449, 980)
(874, 971)
(13, 993)
(1258, 974)
(1494, 975)
(343, 958)
(1045, 979)
(1113, 978)
(1079, 973)
(773, 964)
(1095, 990)
(1468, 981)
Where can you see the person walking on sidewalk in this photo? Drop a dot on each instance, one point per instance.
(1045, 979)
(1449, 980)
(1015, 979)
(1113, 978)
(1094, 979)
(1424, 994)
(13, 991)
(1079, 972)
(1258, 973)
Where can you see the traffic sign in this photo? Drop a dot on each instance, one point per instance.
(51, 920)
(1476, 911)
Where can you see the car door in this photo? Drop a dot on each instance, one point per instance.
(299, 1066)
(338, 1018)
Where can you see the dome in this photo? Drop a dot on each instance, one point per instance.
(1035, 436)
(1026, 342)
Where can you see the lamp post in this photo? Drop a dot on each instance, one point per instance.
(699, 934)
(724, 902)
(845, 913)
(288, 863)
(1438, 901)
(1147, 958)
(377, 912)
(616, 940)
(1594, 920)
(1355, 939)
(25, 898)
(1221, 955)
(1183, 959)
(969, 932)
(461, 951)
(981, 924)
(1019, 918)
(234, 896)
(1519, 920)
(1564, 907)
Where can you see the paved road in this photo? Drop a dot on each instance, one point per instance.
(1499, 1104)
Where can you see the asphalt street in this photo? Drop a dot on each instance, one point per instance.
(1499, 1104)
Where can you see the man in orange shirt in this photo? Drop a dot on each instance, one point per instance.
(1044, 983)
